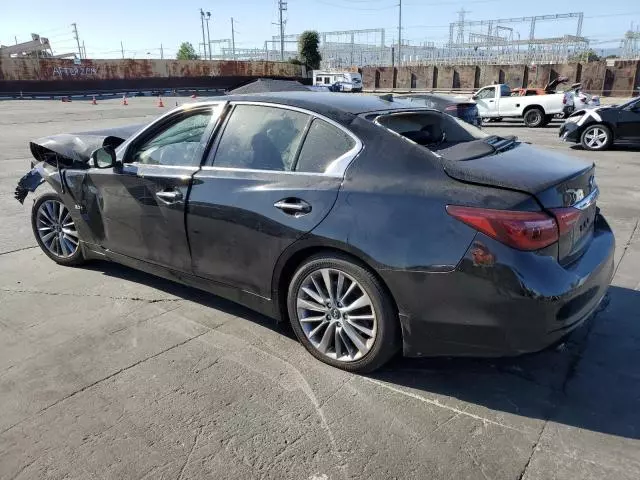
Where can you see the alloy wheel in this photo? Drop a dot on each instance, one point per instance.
(595, 138)
(56, 229)
(336, 315)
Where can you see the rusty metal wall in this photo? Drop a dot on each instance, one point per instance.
(622, 79)
(31, 69)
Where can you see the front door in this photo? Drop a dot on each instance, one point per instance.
(486, 100)
(272, 176)
(142, 203)
(629, 122)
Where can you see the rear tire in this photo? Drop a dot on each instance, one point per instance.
(596, 138)
(534, 118)
(352, 324)
(55, 230)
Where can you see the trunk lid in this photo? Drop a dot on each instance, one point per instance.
(563, 186)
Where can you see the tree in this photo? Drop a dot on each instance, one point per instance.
(186, 52)
(587, 56)
(308, 48)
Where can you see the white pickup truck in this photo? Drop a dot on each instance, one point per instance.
(495, 101)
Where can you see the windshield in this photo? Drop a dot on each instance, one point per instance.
(630, 102)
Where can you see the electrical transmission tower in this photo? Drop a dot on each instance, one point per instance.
(282, 7)
(75, 36)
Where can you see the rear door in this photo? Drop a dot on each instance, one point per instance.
(272, 176)
(140, 206)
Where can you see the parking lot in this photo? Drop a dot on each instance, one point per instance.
(106, 372)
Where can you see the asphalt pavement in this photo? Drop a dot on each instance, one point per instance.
(106, 372)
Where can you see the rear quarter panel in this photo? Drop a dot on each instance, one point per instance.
(390, 211)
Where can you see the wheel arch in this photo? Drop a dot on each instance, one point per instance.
(531, 107)
(603, 122)
(289, 262)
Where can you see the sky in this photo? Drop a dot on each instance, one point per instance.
(144, 26)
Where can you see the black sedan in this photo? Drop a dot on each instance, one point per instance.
(462, 108)
(599, 128)
(371, 225)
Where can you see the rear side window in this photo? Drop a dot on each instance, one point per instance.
(505, 91)
(324, 144)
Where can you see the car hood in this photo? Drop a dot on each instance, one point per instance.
(74, 149)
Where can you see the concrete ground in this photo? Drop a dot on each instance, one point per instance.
(106, 372)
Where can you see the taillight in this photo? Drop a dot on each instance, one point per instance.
(566, 218)
(521, 230)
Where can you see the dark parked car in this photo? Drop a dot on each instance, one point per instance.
(599, 128)
(462, 108)
(371, 225)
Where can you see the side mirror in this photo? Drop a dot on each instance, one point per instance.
(104, 157)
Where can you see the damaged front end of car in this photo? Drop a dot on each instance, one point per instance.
(56, 154)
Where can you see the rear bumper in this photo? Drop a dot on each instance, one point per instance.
(569, 132)
(500, 301)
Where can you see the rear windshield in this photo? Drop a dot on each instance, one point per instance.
(431, 129)
(444, 135)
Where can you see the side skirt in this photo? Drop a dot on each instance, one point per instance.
(250, 300)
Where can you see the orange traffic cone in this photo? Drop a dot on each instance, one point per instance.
(124, 100)
(160, 104)
(93, 102)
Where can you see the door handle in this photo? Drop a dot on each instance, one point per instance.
(293, 206)
(169, 196)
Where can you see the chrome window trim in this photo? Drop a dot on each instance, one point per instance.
(255, 170)
(336, 168)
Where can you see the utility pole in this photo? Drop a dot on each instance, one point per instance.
(84, 49)
(122, 49)
(204, 41)
(208, 36)
(16, 38)
(75, 36)
(161, 52)
(399, 32)
(282, 7)
(233, 40)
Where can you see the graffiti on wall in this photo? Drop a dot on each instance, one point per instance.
(74, 71)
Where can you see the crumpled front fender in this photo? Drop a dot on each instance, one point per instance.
(30, 182)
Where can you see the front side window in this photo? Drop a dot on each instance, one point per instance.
(323, 144)
(261, 138)
(179, 144)
(487, 93)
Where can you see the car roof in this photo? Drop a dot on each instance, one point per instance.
(336, 106)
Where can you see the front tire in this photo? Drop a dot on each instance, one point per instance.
(534, 118)
(342, 314)
(596, 138)
(55, 230)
